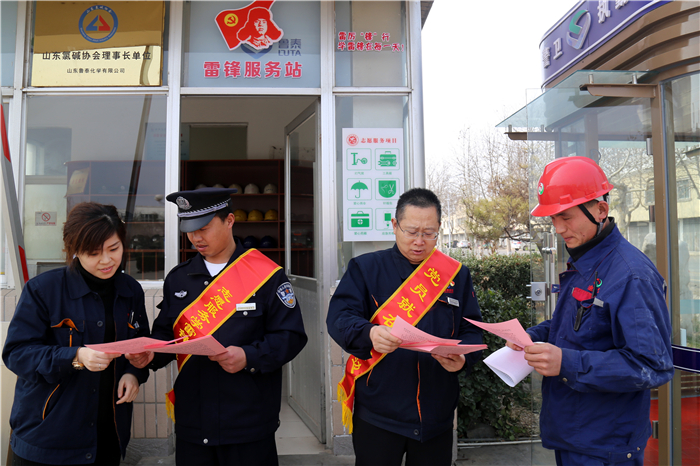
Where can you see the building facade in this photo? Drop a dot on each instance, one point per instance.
(124, 102)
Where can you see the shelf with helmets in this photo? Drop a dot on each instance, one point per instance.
(258, 205)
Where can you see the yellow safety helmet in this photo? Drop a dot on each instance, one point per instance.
(255, 216)
(271, 214)
(240, 215)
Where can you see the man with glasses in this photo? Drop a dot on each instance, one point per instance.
(404, 401)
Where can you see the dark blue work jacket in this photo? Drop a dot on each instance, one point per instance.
(212, 406)
(408, 392)
(599, 403)
(54, 414)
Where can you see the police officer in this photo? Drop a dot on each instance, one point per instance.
(405, 403)
(226, 406)
(609, 340)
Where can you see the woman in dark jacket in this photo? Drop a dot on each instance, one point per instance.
(72, 404)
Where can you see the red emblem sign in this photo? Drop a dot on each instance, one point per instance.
(252, 25)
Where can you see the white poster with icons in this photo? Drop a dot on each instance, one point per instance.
(373, 177)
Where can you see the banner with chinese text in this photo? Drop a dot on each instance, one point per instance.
(105, 44)
(373, 180)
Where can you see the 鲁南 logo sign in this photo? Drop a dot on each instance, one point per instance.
(98, 23)
(252, 25)
(540, 189)
(578, 32)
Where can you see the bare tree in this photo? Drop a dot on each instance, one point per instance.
(492, 175)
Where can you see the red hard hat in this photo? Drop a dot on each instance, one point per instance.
(568, 182)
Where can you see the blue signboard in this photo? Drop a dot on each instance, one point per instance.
(584, 29)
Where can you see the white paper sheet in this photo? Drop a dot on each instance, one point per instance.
(509, 365)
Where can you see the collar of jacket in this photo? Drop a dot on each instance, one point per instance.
(591, 260)
(198, 267)
(403, 266)
(77, 288)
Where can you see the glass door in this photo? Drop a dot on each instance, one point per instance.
(682, 123)
(306, 370)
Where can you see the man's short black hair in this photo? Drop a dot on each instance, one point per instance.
(221, 214)
(418, 197)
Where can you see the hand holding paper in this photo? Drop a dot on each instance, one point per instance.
(510, 365)
(418, 340)
(204, 346)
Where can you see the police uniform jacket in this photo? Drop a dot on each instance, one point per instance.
(54, 414)
(407, 392)
(212, 406)
(599, 403)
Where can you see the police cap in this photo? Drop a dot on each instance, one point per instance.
(197, 208)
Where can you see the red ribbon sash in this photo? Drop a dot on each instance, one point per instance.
(235, 284)
(412, 300)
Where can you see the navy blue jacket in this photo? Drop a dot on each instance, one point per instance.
(389, 396)
(212, 406)
(54, 414)
(599, 404)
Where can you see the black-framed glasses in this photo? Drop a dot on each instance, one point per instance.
(416, 234)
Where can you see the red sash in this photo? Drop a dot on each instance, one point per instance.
(217, 303)
(412, 300)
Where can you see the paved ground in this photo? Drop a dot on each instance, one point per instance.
(505, 455)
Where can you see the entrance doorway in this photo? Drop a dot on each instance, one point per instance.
(267, 148)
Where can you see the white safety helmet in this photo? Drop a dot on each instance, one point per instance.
(237, 187)
(270, 189)
(252, 189)
(218, 185)
(200, 186)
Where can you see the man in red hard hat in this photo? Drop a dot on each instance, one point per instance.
(609, 340)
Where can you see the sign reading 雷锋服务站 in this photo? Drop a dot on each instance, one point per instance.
(373, 177)
(585, 28)
(254, 44)
(103, 44)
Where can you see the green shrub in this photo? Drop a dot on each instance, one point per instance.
(500, 285)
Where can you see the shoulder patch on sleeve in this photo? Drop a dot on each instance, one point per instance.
(285, 293)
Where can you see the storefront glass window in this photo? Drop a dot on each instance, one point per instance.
(367, 112)
(8, 26)
(238, 44)
(371, 44)
(74, 154)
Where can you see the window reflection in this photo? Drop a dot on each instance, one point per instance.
(106, 149)
(683, 122)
